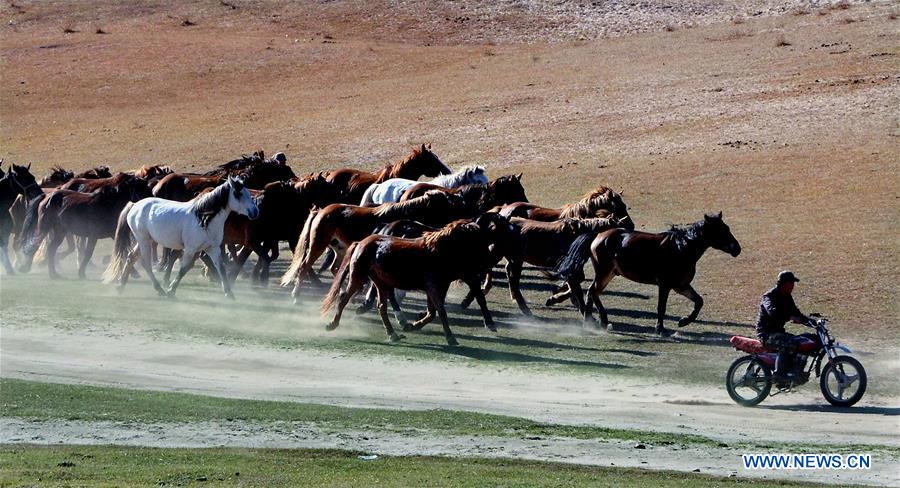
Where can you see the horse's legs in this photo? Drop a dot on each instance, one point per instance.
(4, 253)
(371, 295)
(216, 255)
(563, 292)
(475, 288)
(383, 293)
(330, 255)
(239, 261)
(577, 293)
(355, 281)
(692, 295)
(438, 293)
(267, 264)
(187, 262)
(169, 256)
(601, 280)
(513, 273)
(398, 312)
(56, 238)
(147, 263)
(129, 267)
(661, 311)
(427, 318)
(86, 254)
(488, 281)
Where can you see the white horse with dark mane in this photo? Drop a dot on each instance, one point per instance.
(391, 190)
(195, 226)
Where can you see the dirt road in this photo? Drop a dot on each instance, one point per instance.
(132, 359)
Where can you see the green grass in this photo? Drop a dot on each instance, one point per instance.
(135, 466)
(44, 401)
(35, 400)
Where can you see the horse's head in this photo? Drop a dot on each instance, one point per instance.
(424, 162)
(137, 188)
(25, 181)
(240, 200)
(616, 205)
(259, 175)
(476, 175)
(101, 171)
(507, 189)
(500, 230)
(718, 235)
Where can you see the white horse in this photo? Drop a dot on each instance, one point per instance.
(391, 190)
(195, 226)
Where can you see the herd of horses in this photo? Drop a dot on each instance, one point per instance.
(384, 229)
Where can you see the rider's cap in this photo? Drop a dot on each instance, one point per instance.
(786, 276)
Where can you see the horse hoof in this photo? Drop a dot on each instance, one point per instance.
(407, 327)
(663, 332)
(609, 327)
(362, 309)
(465, 304)
(395, 337)
(230, 296)
(683, 322)
(490, 327)
(452, 342)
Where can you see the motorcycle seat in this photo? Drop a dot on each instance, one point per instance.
(749, 345)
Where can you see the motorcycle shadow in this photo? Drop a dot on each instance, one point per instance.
(870, 410)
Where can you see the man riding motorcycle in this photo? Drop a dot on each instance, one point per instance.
(775, 309)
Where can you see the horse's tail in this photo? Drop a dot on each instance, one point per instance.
(121, 248)
(300, 251)
(574, 259)
(367, 196)
(339, 279)
(29, 224)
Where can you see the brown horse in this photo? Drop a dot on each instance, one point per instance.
(350, 223)
(460, 251)
(153, 173)
(602, 202)
(92, 216)
(668, 260)
(353, 183)
(90, 185)
(17, 184)
(543, 244)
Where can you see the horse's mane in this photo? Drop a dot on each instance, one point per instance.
(404, 208)
(240, 164)
(458, 178)
(589, 204)
(208, 205)
(145, 170)
(683, 234)
(451, 236)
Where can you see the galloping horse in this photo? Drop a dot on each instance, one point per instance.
(668, 260)
(17, 184)
(391, 190)
(602, 202)
(101, 171)
(90, 185)
(91, 216)
(194, 227)
(350, 223)
(254, 170)
(543, 244)
(153, 173)
(352, 183)
(459, 251)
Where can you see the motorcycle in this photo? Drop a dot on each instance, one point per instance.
(842, 378)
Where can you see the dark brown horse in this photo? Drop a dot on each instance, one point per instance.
(153, 173)
(543, 244)
(479, 198)
(96, 172)
(17, 184)
(254, 170)
(92, 216)
(353, 183)
(668, 260)
(460, 251)
(90, 185)
(283, 209)
(602, 202)
(350, 223)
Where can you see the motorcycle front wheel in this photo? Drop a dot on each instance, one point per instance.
(748, 381)
(843, 381)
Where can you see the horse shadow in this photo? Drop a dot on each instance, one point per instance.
(485, 354)
(640, 314)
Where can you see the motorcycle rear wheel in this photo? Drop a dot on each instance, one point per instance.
(839, 375)
(751, 376)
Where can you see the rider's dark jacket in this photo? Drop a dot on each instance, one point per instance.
(775, 310)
